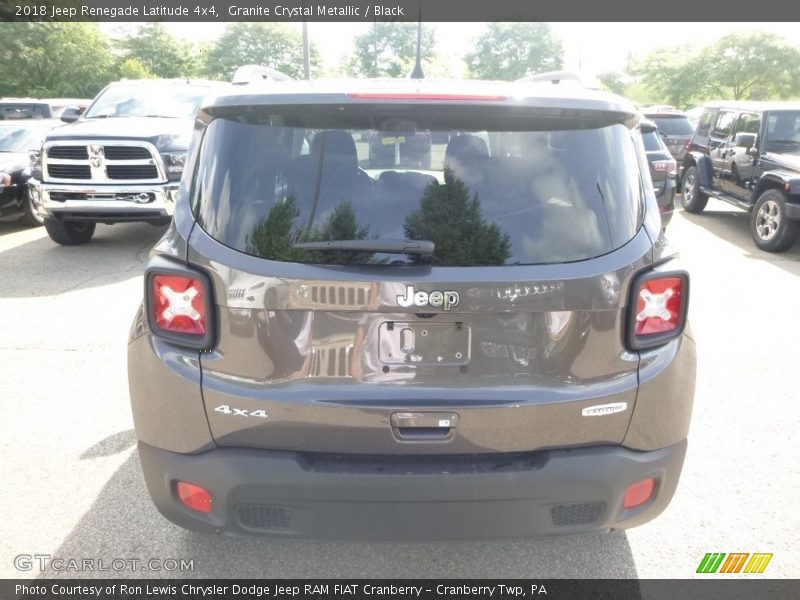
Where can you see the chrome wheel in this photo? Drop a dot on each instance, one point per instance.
(768, 220)
(688, 188)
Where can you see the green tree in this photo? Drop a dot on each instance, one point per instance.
(271, 45)
(274, 236)
(753, 66)
(612, 81)
(54, 59)
(341, 224)
(452, 220)
(675, 76)
(132, 68)
(509, 51)
(159, 52)
(739, 66)
(390, 50)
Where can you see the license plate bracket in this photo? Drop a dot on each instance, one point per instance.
(424, 344)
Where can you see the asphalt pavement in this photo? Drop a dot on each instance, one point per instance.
(72, 487)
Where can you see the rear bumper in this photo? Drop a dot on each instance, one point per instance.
(106, 203)
(289, 494)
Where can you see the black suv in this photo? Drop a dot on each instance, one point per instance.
(489, 345)
(748, 154)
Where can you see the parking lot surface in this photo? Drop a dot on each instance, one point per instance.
(72, 486)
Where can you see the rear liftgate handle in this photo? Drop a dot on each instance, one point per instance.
(424, 426)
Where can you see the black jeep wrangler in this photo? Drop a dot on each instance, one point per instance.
(748, 154)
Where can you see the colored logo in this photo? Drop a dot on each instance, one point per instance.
(737, 562)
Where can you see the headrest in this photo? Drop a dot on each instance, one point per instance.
(339, 145)
(463, 148)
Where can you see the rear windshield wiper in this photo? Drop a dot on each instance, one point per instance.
(420, 247)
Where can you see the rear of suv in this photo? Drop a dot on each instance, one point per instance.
(491, 345)
(663, 170)
(675, 129)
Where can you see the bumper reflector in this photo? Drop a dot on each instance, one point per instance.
(194, 497)
(639, 493)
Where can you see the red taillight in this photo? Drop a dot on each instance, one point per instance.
(179, 304)
(194, 497)
(639, 493)
(670, 167)
(658, 308)
(421, 96)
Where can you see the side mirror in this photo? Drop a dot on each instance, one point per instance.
(71, 114)
(745, 140)
(752, 152)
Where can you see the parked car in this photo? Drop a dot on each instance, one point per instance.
(676, 129)
(748, 154)
(663, 170)
(490, 347)
(39, 108)
(120, 161)
(17, 139)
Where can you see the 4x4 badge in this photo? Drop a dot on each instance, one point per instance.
(446, 300)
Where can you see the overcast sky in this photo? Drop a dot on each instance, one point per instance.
(598, 46)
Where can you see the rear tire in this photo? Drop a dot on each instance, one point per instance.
(69, 233)
(692, 199)
(771, 230)
(31, 217)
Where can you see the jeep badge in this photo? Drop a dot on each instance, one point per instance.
(436, 299)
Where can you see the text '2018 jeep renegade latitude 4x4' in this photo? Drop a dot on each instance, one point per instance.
(492, 345)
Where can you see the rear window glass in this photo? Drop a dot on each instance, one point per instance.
(783, 131)
(526, 191)
(22, 111)
(652, 141)
(674, 125)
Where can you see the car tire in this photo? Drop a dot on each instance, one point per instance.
(771, 230)
(692, 199)
(69, 233)
(30, 217)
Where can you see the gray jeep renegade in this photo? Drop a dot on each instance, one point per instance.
(490, 345)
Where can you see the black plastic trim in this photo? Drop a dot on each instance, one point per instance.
(432, 502)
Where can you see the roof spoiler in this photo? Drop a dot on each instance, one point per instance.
(585, 80)
(254, 73)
